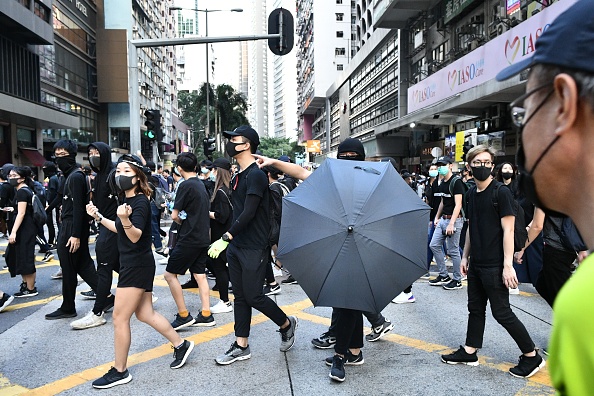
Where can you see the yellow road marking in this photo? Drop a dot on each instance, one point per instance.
(532, 389)
(8, 389)
(14, 307)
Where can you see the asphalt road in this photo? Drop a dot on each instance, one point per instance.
(41, 357)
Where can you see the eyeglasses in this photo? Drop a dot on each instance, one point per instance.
(518, 113)
(481, 163)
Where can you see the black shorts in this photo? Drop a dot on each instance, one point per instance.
(139, 277)
(184, 258)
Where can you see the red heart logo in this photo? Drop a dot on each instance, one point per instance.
(510, 46)
(452, 78)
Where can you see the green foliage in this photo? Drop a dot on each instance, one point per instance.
(275, 147)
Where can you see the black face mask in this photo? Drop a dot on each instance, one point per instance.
(95, 162)
(507, 175)
(65, 163)
(231, 150)
(526, 180)
(125, 183)
(480, 173)
(13, 181)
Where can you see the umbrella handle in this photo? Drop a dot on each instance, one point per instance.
(368, 170)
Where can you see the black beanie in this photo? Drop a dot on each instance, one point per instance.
(352, 145)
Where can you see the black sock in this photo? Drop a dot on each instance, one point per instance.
(286, 328)
(240, 347)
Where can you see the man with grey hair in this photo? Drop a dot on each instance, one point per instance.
(490, 248)
(556, 116)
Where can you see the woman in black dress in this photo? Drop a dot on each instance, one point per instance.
(20, 256)
(137, 271)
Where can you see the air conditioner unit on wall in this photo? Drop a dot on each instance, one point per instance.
(497, 29)
(440, 24)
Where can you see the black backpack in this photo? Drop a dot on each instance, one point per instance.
(276, 209)
(570, 236)
(464, 199)
(39, 215)
(39, 190)
(520, 232)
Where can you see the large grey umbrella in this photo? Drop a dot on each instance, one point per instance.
(354, 235)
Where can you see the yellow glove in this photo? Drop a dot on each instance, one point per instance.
(216, 248)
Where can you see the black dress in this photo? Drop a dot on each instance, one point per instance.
(20, 257)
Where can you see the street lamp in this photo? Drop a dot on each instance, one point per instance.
(206, 12)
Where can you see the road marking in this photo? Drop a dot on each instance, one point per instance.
(14, 307)
(8, 389)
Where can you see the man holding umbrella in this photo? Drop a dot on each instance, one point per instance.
(347, 323)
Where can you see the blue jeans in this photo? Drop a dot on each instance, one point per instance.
(452, 246)
(155, 226)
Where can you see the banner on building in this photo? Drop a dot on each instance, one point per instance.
(313, 146)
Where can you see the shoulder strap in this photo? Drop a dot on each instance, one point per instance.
(224, 193)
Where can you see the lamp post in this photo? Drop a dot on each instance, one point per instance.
(206, 11)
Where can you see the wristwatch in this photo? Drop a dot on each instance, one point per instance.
(225, 237)
(99, 218)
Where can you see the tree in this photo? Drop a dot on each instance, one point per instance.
(275, 147)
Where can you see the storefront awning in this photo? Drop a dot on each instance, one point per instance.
(32, 156)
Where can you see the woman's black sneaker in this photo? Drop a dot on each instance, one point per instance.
(527, 366)
(349, 359)
(112, 378)
(180, 354)
(461, 357)
(337, 372)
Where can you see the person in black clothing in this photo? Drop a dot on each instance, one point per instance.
(287, 180)
(190, 251)
(20, 255)
(73, 237)
(433, 199)
(105, 200)
(221, 215)
(156, 180)
(51, 174)
(137, 272)
(6, 196)
(487, 261)
(206, 176)
(247, 242)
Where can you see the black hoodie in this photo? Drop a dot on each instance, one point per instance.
(107, 202)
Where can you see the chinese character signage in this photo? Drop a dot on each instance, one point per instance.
(453, 8)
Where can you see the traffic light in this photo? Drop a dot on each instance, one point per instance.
(281, 21)
(153, 125)
(465, 149)
(209, 147)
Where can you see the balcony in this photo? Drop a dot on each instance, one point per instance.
(393, 14)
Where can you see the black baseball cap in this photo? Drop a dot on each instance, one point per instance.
(568, 42)
(247, 132)
(443, 160)
(222, 163)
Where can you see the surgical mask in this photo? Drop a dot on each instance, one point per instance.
(507, 175)
(65, 163)
(14, 181)
(204, 170)
(433, 173)
(481, 173)
(443, 170)
(231, 149)
(212, 177)
(125, 183)
(95, 161)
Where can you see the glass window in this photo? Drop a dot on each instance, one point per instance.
(26, 137)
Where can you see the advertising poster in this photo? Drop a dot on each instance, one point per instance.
(496, 140)
(450, 146)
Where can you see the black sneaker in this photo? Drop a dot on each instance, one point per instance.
(453, 285)
(528, 366)
(337, 371)
(461, 357)
(181, 353)
(109, 303)
(59, 314)
(288, 334)
(162, 252)
(5, 301)
(26, 293)
(112, 378)
(440, 280)
(204, 321)
(269, 290)
(350, 359)
(210, 275)
(324, 341)
(379, 331)
(89, 294)
(289, 281)
(180, 323)
(190, 284)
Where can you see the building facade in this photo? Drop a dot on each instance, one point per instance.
(258, 70)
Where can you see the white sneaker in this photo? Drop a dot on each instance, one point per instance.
(404, 298)
(222, 307)
(57, 275)
(514, 291)
(91, 320)
(155, 298)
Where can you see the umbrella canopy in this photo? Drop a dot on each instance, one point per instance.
(354, 235)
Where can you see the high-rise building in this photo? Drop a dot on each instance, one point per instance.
(243, 68)
(123, 20)
(283, 109)
(319, 63)
(258, 70)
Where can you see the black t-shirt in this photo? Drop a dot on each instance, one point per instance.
(192, 198)
(448, 201)
(252, 181)
(486, 234)
(23, 194)
(221, 206)
(433, 197)
(137, 254)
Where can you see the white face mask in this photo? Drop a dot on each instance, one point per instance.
(204, 170)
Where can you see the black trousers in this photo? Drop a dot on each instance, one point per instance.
(247, 268)
(486, 284)
(556, 270)
(73, 264)
(219, 268)
(375, 319)
(349, 330)
(50, 226)
(104, 280)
